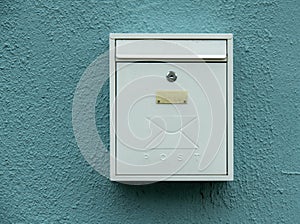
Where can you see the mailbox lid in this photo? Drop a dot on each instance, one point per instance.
(171, 49)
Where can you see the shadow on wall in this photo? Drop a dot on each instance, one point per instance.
(207, 191)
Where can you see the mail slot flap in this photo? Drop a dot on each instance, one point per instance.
(171, 49)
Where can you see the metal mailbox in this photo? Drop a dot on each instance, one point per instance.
(171, 116)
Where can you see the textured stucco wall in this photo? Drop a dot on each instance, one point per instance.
(46, 46)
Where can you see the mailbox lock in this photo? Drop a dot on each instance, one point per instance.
(171, 77)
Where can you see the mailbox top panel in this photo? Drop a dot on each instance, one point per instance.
(171, 46)
(218, 36)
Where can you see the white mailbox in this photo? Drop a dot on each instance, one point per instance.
(171, 114)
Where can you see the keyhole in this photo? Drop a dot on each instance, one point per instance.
(171, 76)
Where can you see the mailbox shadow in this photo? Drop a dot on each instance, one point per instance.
(200, 194)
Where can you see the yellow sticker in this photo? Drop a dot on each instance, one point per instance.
(171, 97)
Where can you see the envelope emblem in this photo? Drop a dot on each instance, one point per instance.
(174, 132)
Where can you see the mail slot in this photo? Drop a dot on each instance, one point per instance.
(171, 107)
(170, 49)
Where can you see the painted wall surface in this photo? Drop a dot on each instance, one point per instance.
(45, 48)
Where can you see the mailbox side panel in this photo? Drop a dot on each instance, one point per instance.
(112, 63)
(230, 135)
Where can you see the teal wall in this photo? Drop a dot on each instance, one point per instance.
(45, 48)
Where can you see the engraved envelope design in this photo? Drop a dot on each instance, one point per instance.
(174, 132)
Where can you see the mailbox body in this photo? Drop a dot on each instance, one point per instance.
(171, 129)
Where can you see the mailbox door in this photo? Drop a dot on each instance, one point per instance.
(178, 138)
